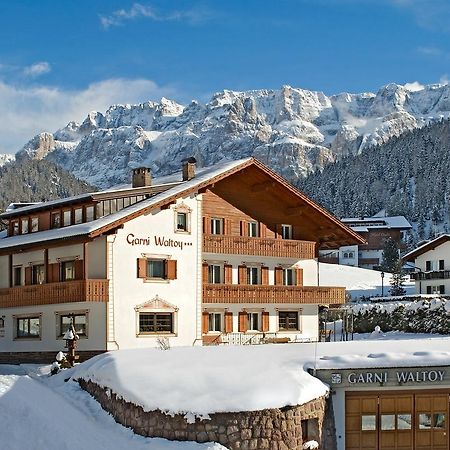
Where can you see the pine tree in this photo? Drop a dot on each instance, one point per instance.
(390, 256)
(398, 280)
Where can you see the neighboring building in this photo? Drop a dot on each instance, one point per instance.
(431, 262)
(227, 254)
(375, 230)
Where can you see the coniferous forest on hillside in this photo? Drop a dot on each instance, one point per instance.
(408, 175)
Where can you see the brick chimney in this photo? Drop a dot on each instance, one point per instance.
(189, 165)
(141, 177)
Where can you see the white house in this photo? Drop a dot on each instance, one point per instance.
(217, 255)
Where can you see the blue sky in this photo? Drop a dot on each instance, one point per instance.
(61, 59)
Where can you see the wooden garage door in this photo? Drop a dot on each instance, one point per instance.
(397, 421)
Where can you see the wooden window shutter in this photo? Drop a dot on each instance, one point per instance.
(262, 230)
(206, 225)
(226, 226)
(205, 272)
(28, 275)
(265, 321)
(142, 268)
(205, 322)
(228, 322)
(243, 322)
(53, 273)
(228, 273)
(278, 276)
(171, 269)
(242, 274)
(264, 275)
(79, 269)
(244, 228)
(299, 277)
(278, 230)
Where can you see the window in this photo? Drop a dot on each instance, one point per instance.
(15, 227)
(38, 274)
(215, 321)
(289, 277)
(24, 226)
(67, 270)
(78, 215)
(253, 321)
(182, 221)
(253, 229)
(368, 422)
(286, 231)
(34, 224)
(89, 213)
(214, 274)
(441, 264)
(28, 327)
(67, 216)
(17, 276)
(157, 268)
(351, 255)
(79, 323)
(158, 323)
(252, 275)
(55, 220)
(288, 321)
(216, 226)
(436, 289)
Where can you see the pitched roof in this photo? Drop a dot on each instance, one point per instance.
(431, 245)
(398, 222)
(204, 178)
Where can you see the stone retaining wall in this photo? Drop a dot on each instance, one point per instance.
(272, 429)
(41, 357)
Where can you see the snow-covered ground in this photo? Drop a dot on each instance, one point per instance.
(41, 412)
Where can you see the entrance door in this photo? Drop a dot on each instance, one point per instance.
(431, 422)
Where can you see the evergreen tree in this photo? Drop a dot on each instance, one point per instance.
(390, 256)
(398, 280)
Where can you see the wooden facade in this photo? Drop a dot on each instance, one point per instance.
(221, 293)
(53, 293)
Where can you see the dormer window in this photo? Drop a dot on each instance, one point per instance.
(67, 216)
(24, 226)
(55, 220)
(34, 224)
(182, 223)
(78, 215)
(15, 227)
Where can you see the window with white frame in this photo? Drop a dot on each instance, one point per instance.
(214, 273)
(436, 289)
(38, 274)
(252, 275)
(215, 321)
(253, 321)
(28, 327)
(288, 321)
(289, 277)
(67, 218)
(182, 221)
(286, 231)
(216, 225)
(253, 230)
(89, 213)
(67, 270)
(78, 215)
(15, 227)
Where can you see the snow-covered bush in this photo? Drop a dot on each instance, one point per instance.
(429, 315)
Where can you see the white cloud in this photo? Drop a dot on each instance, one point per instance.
(37, 69)
(137, 10)
(26, 111)
(414, 86)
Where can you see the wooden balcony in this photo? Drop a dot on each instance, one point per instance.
(244, 293)
(243, 245)
(50, 293)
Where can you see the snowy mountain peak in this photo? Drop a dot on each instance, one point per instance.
(293, 130)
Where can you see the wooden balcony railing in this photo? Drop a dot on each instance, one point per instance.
(49, 293)
(242, 245)
(434, 275)
(244, 293)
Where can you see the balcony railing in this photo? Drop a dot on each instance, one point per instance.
(243, 245)
(435, 275)
(243, 293)
(49, 293)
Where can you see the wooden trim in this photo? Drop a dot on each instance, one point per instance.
(258, 294)
(54, 293)
(142, 268)
(205, 269)
(244, 228)
(79, 269)
(264, 275)
(228, 322)
(28, 276)
(299, 276)
(242, 274)
(46, 268)
(171, 269)
(85, 259)
(228, 273)
(10, 269)
(278, 276)
(54, 271)
(243, 321)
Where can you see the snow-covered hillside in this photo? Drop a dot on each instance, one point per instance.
(292, 130)
(5, 159)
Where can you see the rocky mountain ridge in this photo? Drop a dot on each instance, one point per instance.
(294, 131)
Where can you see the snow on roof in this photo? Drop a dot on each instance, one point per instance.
(89, 227)
(430, 245)
(205, 380)
(378, 222)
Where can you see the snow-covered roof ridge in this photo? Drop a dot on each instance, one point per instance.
(430, 245)
(377, 222)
